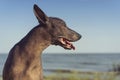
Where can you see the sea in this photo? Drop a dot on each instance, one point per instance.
(75, 61)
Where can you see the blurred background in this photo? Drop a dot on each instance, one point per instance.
(98, 21)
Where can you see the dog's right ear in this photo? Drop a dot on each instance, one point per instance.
(41, 16)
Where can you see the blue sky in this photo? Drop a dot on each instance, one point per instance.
(98, 21)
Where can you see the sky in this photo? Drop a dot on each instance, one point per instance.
(98, 21)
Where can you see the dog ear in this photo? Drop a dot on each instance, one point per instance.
(41, 16)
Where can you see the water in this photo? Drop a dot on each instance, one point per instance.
(81, 62)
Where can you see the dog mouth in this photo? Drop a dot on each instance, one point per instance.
(65, 43)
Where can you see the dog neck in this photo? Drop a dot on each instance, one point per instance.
(36, 41)
(27, 52)
(24, 60)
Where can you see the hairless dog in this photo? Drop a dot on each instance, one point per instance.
(24, 59)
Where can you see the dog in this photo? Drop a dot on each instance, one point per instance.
(24, 59)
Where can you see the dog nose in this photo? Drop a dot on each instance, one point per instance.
(79, 36)
(75, 37)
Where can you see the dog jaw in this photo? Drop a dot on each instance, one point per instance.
(65, 43)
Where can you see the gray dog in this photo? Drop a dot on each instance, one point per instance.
(24, 59)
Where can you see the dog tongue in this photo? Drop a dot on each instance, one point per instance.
(70, 45)
(73, 47)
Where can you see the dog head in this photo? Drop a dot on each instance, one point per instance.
(57, 28)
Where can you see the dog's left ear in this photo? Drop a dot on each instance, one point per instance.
(41, 16)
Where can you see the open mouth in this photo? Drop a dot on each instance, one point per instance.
(65, 43)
